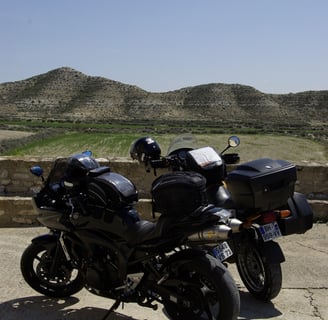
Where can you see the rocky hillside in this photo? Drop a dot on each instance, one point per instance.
(66, 94)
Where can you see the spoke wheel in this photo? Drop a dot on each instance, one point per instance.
(261, 278)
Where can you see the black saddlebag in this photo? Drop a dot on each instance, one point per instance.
(301, 218)
(179, 193)
(111, 190)
(262, 184)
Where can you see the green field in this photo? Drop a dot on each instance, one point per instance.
(111, 145)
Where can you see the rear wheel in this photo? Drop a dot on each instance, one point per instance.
(262, 278)
(205, 290)
(37, 267)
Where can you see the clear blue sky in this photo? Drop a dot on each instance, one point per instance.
(276, 46)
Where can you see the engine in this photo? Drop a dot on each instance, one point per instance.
(101, 273)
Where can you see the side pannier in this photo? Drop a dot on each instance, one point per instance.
(301, 218)
(179, 193)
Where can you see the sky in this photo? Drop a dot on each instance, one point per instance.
(275, 46)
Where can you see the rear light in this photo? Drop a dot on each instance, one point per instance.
(268, 217)
(272, 216)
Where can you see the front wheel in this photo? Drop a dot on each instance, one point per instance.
(262, 278)
(37, 267)
(207, 288)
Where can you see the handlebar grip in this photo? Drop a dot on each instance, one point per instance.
(231, 158)
(158, 163)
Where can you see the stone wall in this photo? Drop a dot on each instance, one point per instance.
(17, 185)
(16, 179)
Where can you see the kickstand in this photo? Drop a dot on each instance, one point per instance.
(112, 308)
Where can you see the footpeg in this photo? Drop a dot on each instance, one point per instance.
(149, 305)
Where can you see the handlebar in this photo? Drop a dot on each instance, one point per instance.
(171, 161)
(161, 163)
(230, 158)
(174, 161)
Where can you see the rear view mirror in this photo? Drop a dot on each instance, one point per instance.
(233, 141)
(87, 153)
(37, 171)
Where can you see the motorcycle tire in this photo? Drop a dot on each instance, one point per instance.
(261, 278)
(209, 289)
(36, 264)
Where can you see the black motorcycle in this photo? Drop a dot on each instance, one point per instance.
(260, 193)
(98, 241)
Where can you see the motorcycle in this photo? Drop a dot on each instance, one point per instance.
(97, 240)
(259, 193)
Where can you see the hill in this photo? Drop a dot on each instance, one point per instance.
(65, 94)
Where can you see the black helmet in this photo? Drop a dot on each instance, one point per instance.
(145, 149)
(79, 165)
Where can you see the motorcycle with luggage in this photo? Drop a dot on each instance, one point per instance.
(260, 193)
(97, 241)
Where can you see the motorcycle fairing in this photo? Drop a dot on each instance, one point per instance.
(48, 240)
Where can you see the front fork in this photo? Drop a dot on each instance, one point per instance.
(54, 242)
(63, 246)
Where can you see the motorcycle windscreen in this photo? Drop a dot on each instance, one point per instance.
(183, 142)
(57, 172)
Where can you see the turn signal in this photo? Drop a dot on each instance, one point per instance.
(284, 213)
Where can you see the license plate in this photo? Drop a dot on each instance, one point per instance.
(270, 231)
(222, 251)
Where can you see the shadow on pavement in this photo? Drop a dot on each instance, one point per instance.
(251, 308)
(40, 307)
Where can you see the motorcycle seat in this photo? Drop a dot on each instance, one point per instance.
(144, 230)
(165, 227)
(98, 171)
(140, 232)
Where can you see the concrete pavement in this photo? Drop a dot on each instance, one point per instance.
(304, 295)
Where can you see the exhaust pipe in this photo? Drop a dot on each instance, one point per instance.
(235, 225)
(215, 233)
